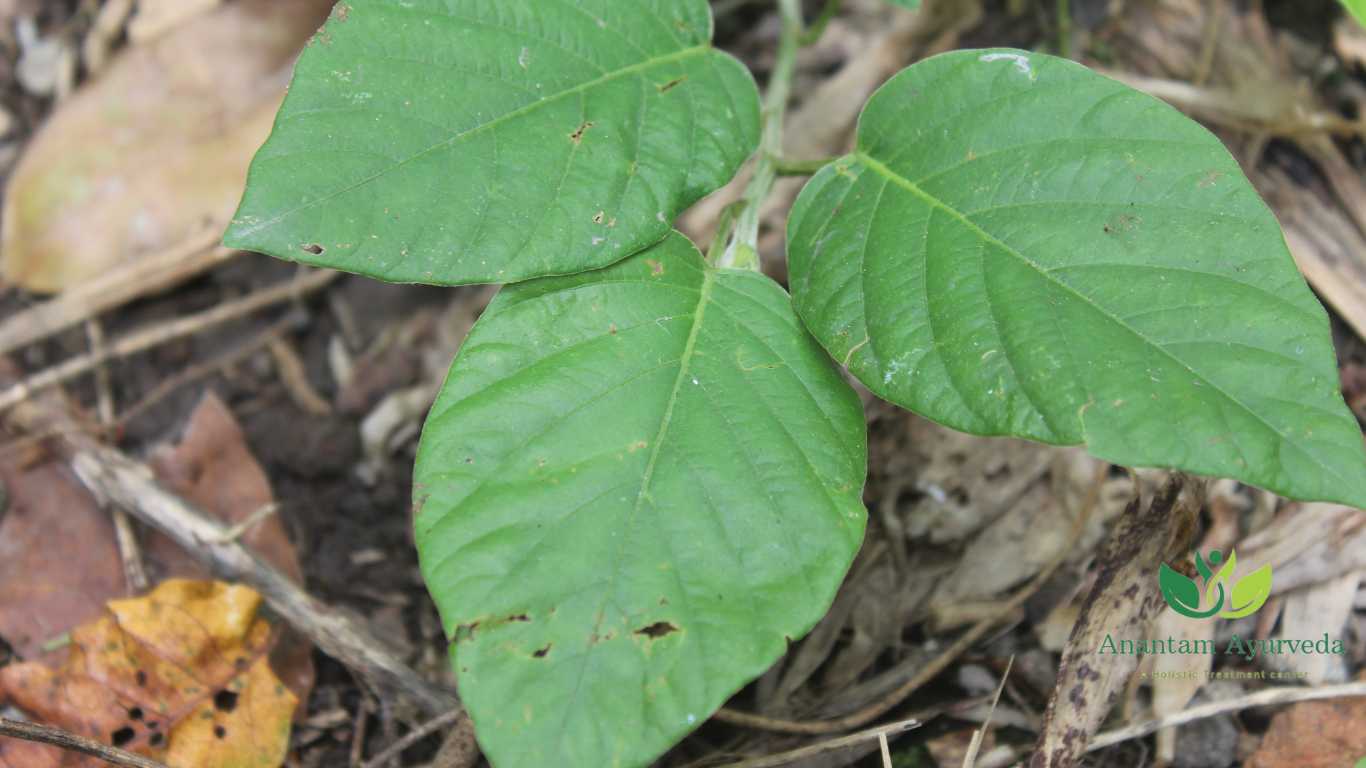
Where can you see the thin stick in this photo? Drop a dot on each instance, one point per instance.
(145, 276)
(45, 734)
(111, 474)
(156, 335)
(1262, 698)
(207, 368)
(130, 553)
(804, 753)
(414, 736)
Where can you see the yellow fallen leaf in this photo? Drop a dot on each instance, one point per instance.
(180, 675)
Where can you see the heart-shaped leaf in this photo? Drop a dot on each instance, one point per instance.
(463, 141)
(1019, 246)
(637, 486)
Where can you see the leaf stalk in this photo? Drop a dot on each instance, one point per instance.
(743, 250)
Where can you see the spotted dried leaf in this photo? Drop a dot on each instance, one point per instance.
(180, 675)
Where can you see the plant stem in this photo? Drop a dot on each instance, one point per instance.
(1064, 29)
(785, 167)
(743, 250)
(817, 28)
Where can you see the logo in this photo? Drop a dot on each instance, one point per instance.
(1223, 597)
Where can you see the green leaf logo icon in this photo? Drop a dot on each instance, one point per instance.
(1223, 596)
(1249, 593)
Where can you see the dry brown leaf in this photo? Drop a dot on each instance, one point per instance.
(180, 675)
(58, 560)
(138, 160)
(59, 563)
(1320, 610)
(1314, 734)
(1349, 39)
(157, 17)
(1037, 524)
(212, 467)
(1125, 597)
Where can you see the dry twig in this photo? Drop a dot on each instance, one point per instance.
(140, 278)
(57, 737)
(147, 338)
(111, 474)
(456, 717)
(1263, 698)
(824, 747)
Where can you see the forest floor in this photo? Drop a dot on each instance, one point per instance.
(309, 405)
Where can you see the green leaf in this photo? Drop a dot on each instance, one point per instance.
(1358, 10)
(912, 4)
(1249, 594)
(636, 487)
(1180, 592)
(464, 141)
(1019, 246)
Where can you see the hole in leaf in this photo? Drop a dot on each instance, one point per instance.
(540, 654)
(657, 630)
(672, 84)
(225, 701)
(122, 736)
(156, 740)
(135, 713)
(313, 248)
(219, 731)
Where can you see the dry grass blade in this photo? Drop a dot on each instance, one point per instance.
(970, 759)
(793, 756)
(1264, 698)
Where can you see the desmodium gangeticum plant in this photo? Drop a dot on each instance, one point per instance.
(642, 478)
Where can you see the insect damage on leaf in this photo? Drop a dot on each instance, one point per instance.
(640, 539)
(1048, 265)
(497, 168)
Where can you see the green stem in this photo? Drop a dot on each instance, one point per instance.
(786, 167)
(817, 28)
(1064, 29)
(743, 250)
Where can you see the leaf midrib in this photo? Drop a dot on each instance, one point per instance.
(246, 231)
(910, 186)
(685, 361)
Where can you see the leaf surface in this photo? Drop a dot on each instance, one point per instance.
(464, 141)
(637, 485)
(1019, 246)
